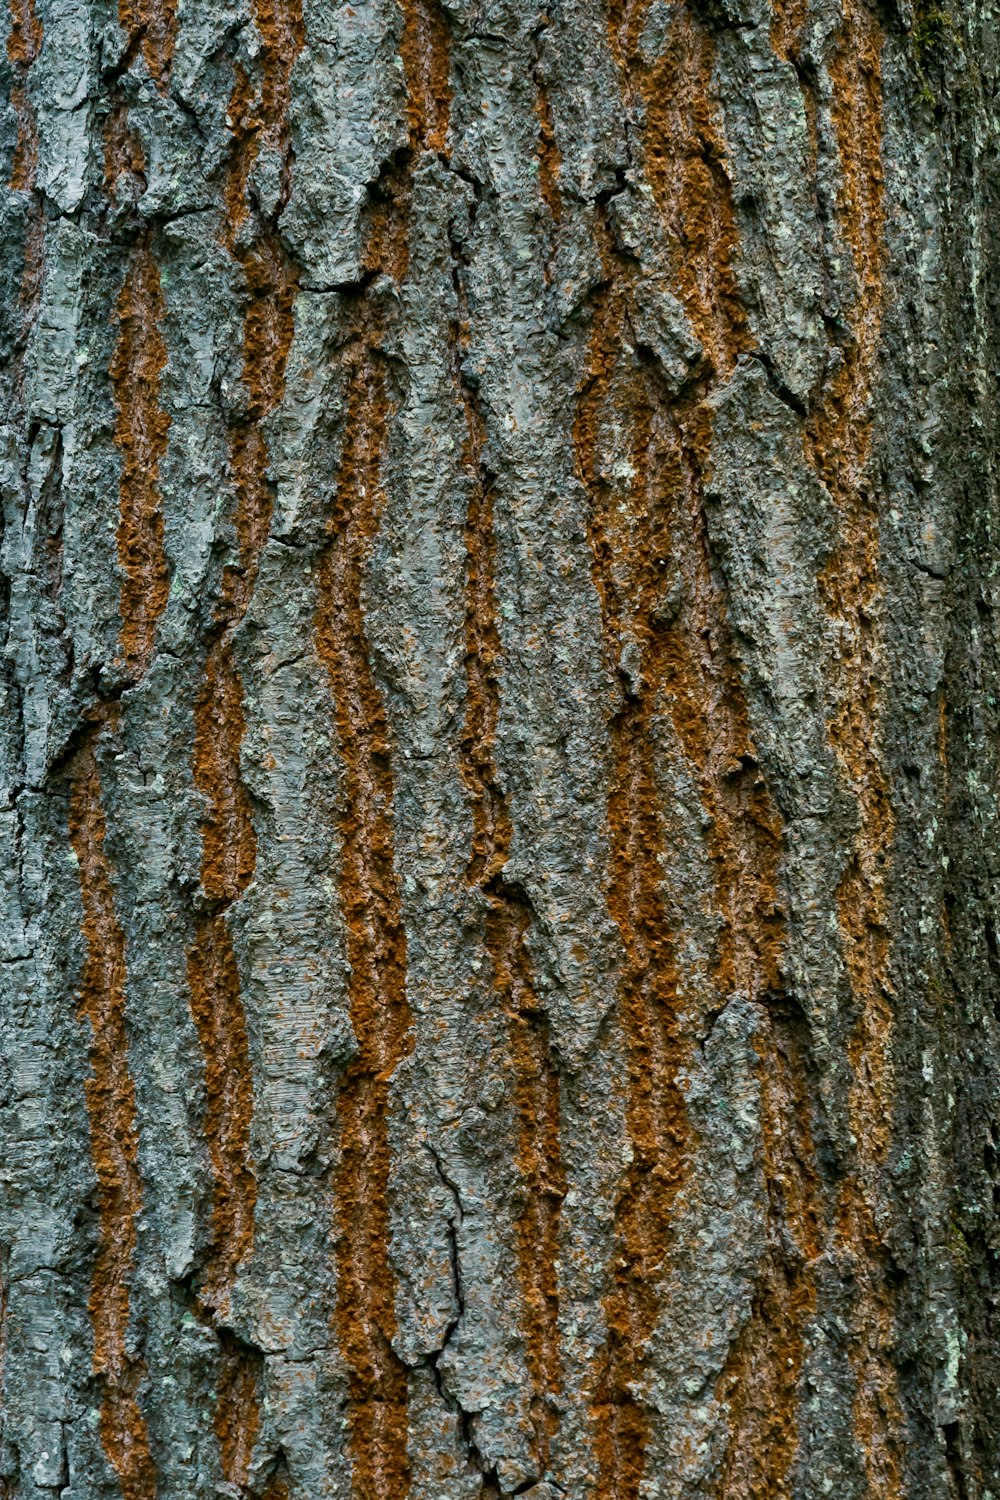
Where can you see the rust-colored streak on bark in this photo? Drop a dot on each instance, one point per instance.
(218, 1015)
(688, 667)
(151, 25)
(839, 444)
(24, 42)
(141, 428)
(629, 585)
(788, 17)
(536, 1088)
(237, 1413)
(549, 160)
(123, 153)
(376, 942)
(258, 120)
(684, 160)
(426, 53)
(110, 1095)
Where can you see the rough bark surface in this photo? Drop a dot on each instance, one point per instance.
(499, 750)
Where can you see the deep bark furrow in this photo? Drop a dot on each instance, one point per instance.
(229, 848)
(839, 444)
(376, 946)
(111, 1107)
(141, 435)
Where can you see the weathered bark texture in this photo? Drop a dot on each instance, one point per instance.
(499, 750)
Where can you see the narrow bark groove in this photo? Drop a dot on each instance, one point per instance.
(141, 435)
(839, 444)
(110, 1094)
(258, 121)
(24, 42)
(376, 945)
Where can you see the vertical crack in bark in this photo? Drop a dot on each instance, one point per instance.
(110, 1095)
(377, 1381)
(229, 846)
(657, 1121)
(683, 658)
(426, 53)
(536, 1090)
(24, 43)
(151, 24)
(376, 943)
(839, 444)
(141, 427)
(549, 159)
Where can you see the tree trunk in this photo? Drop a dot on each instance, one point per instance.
(499, 750)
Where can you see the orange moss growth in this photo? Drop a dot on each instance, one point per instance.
(141, 428)
(536, 1089)
(376, 944)
(110, 1095)
(425, 49)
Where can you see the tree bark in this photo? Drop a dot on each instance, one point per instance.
(498, 758)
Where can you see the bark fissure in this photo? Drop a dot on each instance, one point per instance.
(838, 442)
(111, 1107)
(229, 847)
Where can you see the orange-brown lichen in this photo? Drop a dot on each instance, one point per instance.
(237, 1412)
(426, 48)
(788, 17)
(839, 445)
(683, 158)
(376, 943)
(213, 981)
(536, 1088)
(141, 428)
(110, 1094)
